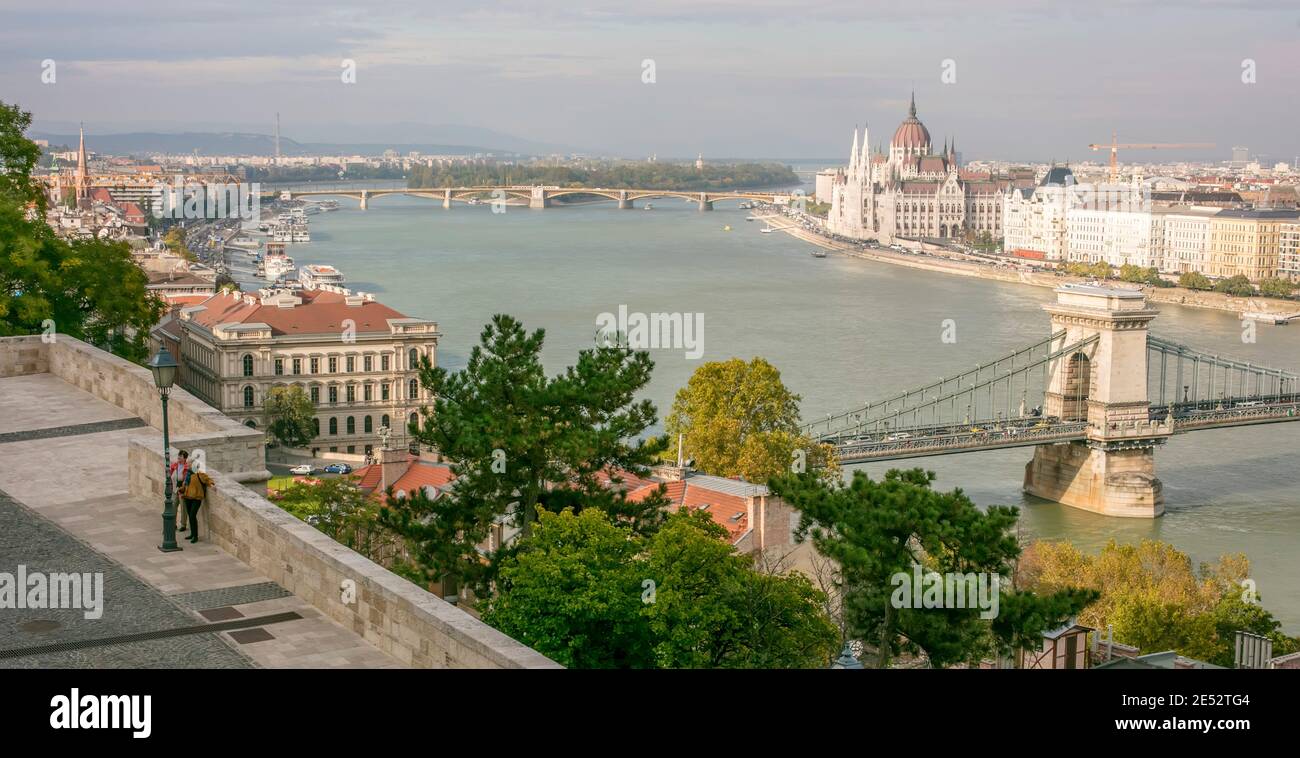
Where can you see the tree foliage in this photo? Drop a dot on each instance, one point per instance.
(739, 419)
(87, 289)
(592, 593)
(290, 416)
(1276, 287)
(877, 530)
(1237, 286)
(1156, 599)
(1194, 280)
(520, 440)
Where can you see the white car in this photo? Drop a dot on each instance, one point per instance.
(304, 468)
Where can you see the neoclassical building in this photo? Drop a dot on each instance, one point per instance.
(911, 191)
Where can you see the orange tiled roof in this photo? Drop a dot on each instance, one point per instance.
(731, 512)
(321, 312)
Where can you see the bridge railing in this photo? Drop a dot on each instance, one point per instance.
(963, 441)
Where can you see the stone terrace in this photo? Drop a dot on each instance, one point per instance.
(80, 466)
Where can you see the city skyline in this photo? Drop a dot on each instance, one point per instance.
(736, 80)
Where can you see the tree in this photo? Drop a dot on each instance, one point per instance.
(1237, 286)
(520, 441)
(291, 416)
(1194, 280)
(573, 593)
(879, 530)
(87, 289)
(1156, 599)
(175, 241)
(713, 610)
(739, 419)
(592, 593)
(1276, 287)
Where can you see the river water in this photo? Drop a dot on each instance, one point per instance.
(842, 331)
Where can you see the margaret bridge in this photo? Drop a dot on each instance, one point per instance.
(1094, 399)
(533, 196)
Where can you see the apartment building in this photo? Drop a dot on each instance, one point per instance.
(355, 358)
(1119, 238)
(1246, 241)
(1186, 239)
(1288, 251)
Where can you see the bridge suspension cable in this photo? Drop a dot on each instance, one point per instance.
(1183, 376)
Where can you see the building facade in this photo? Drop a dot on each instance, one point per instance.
(911, 191)
(356, 359)
(1246, 242)
(1288, 251)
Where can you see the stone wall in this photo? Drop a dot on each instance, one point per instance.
(227, 445)
(401, 619)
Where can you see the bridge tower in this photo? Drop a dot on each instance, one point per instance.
(1112, 472)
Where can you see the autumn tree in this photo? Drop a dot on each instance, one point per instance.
(738, 418)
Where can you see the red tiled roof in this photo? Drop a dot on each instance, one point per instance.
(321, 312)
(728, 511)
(419, 473)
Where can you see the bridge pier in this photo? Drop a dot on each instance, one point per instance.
(1105, 383)
(705, 203)
(624, 204)
(446, 199)
(365, 196)
(538, 198)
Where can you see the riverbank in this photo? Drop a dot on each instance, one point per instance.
(1171, 295)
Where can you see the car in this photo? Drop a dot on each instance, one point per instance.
(304, 468)
(898, 437)
(338, 468)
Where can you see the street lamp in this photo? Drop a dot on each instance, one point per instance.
(163, 366)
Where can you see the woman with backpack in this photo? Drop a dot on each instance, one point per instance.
(196, 488)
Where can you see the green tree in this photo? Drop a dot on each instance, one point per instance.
(87, 289)
(573, 593)
(1276, 287)
(290, 416)
(1237, 286)
(879, 530)
(739, 419)
(1194, 280)
(592, 593)
(713, 610)
(519, 441)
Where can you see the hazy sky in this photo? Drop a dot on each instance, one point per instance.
(773, 78)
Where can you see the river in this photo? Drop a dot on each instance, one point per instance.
(842, 331)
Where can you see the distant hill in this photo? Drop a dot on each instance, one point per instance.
(237, 143)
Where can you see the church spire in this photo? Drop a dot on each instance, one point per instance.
(83, 189)
(911, 109)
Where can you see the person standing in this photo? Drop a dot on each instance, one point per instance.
(179, 473)
(196, 488)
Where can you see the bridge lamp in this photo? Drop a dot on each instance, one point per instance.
(163, 367)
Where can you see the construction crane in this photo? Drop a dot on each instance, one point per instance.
(1115, 145)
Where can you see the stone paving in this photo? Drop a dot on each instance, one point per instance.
(64, 507)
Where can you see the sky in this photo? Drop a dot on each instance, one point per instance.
(1025, 80)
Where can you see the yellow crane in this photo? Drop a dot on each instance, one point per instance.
(1115, 145)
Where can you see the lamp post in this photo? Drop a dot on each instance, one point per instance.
(846, 659)
(163, 366)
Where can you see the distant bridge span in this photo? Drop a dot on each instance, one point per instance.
(537, 196)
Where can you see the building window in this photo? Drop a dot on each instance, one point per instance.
(297, 365)
(352, 393)
(383, 363)
(352, 449)
(334, 364)
(279, 367)
(367, 425)
(248, 365)
(352, 425)
(248, 397)
(368, 392)
(383, 420)
(412, 389)
(383, 391)
(315, 395)
(413, 359)
(251, 424)
(368, 364)
(315, 365)
(412, 420)
(315, 426)
(334, 395)
(334, 426)
(352, 364)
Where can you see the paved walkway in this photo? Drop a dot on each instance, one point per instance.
(64, 507)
